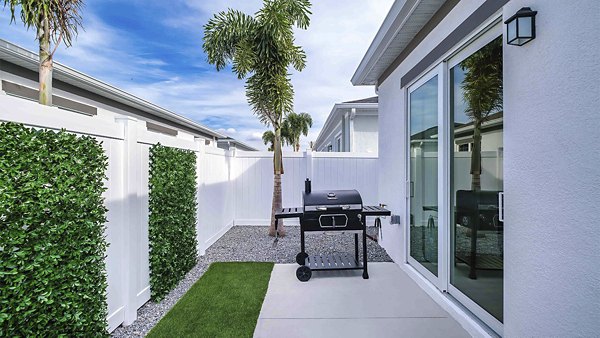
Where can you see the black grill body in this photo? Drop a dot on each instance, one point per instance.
(327, 211)
(337, 210)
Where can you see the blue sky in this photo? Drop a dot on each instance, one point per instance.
(153, 49)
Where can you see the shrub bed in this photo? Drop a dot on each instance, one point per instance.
(52, 246)
(172, 222)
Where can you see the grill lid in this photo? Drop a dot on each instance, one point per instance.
(331, 198)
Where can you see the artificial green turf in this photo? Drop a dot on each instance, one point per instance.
(225, 302)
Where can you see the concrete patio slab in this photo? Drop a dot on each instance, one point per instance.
(342, 304)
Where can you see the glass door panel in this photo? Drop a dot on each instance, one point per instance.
(476, 132)
(423, 202)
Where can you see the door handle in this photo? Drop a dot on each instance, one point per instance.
(501, 206)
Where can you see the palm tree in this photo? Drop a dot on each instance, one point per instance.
(482, 91)
(56, 22)
(269, 139)
(296, 125)
(261, 50)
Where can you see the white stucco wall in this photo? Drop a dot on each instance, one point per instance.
(552, 173)
(392, 131)
(365, 134)
(551, 167)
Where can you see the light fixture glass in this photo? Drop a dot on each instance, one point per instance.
(520, 28)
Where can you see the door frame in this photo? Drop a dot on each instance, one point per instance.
(488, 31)
(440, 280)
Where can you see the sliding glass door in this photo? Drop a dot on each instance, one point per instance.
(476, 148)
(424, 105)
(455, 176)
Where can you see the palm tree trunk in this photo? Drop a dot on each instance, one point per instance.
(45, 69)
(476, 157)
(278, 171)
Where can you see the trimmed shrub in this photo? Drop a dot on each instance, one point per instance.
(52, 246)
(172, 223)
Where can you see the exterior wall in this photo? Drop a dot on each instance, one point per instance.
(331, 137)
(552, 173)
(392, 131)
(365, 134)
(107, 109)
(361, 139)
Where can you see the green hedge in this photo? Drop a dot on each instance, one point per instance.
(52, 246)
(172, 225)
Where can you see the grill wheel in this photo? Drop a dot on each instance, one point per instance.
(303, 273)
(301, 258)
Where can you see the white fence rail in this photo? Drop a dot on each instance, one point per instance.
(234, 187)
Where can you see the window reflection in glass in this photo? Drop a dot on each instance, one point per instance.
(423, 174)
(477, 177)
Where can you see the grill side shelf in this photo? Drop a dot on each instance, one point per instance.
(373, 210)
(289, 213)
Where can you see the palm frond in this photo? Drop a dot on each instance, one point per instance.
(63, 16)
(224, 34)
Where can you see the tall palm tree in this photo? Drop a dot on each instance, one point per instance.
(482, 91)
(56, 22)
(261, 50)
(296, 125)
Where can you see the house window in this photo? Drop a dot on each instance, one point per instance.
(339, 144)
(463, 147)
(329, 148)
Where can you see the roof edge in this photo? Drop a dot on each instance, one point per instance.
(333, 113)
(382, 39)
(104, 88)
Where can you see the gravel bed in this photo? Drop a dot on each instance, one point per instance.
(246, 243)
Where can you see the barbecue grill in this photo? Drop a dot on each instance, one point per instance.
(331, 211)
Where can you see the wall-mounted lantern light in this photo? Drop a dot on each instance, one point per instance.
(520, 28)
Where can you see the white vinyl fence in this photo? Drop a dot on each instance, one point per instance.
(234, 187)
(254, 180)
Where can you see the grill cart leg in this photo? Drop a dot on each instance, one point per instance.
(301, 257)
(276, 233)
(356, 248)
(364, 242)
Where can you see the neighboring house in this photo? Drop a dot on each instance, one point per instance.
(507, 252)
(228, 143)
(77, 92)
(350, 127)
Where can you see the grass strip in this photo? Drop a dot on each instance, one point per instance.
(224, 302)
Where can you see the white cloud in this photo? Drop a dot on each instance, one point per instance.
(335, 43)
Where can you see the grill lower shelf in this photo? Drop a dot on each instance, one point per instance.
(333, 262)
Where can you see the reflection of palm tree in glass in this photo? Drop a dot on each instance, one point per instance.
(482, 92)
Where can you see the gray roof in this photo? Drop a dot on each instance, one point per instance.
(374, 99)
(29, 60)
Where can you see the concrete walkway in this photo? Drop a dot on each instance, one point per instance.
(342, 304)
